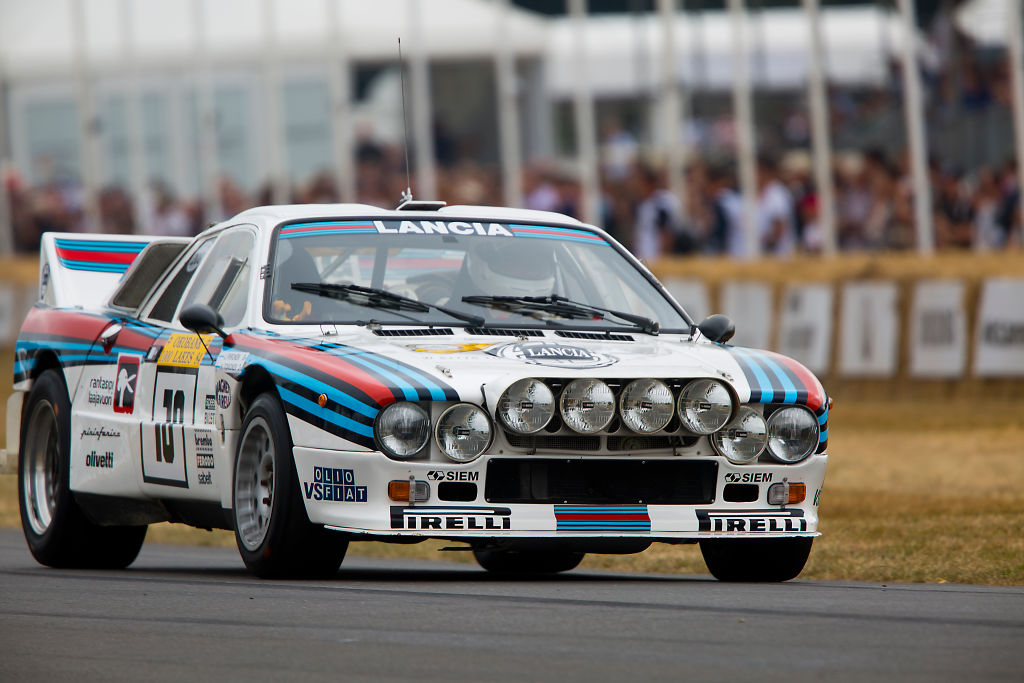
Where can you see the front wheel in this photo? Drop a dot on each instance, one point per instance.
(57, 531)
(272, 531)
(756, 559)
(516, 562)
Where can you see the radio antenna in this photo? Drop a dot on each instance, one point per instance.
(407, 195)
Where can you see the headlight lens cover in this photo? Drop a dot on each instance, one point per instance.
(646, 405)
(527, 406)
(743, 439)
(704, 406)
(402, 430)
(588, 405)
(792, 434)
(463, 432)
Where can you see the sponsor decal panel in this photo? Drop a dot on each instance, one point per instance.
(100, 433)
(420, 227)
(103, 460)
(448, 348)
(223, 394)
(602, 518)
(748, 477)
(101, 392)
(124, 385)
(553, 354)
(184, 350)
(451, 475)
(334, 484)
(210, 409)
(449, 518)
(771, 520)
(232, 361)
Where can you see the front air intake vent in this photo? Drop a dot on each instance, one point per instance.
(504, 332)
(416, 332)
(569, 442)
(600, 336)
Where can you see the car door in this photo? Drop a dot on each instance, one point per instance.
(179, 444)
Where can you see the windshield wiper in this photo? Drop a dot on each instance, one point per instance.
(562, 307)
(380, 298)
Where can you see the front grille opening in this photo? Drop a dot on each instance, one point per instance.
(601, 482)
(566, 442)
(415, 332)
(740, 493)
(456, 491)
(638, 442)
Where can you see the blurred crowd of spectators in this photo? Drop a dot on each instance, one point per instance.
(873, 208)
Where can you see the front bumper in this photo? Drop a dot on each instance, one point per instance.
(348, 491)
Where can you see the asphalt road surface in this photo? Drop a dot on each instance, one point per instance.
(192, 614)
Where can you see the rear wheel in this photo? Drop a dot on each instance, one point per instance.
(272, 530)
(756, 559)
(519, 562)
(57, 531)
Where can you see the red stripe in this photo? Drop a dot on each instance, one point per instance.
(55, 321)
(125, 257)
(815, 392)
(602, 517)
(328, 364)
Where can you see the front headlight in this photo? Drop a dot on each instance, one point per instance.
(704, 406)
(792, 434)
(527, 406)
(402, 430)
(646, 405)
(588, 405)
(743, 439)
(463, 432)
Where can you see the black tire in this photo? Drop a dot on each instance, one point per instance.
(522, 563)
(276, 540)
(756, 559)
(57, 531)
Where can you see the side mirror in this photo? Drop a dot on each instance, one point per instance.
(717, 328)
(202, 319)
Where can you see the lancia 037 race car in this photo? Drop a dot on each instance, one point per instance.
(313, 375)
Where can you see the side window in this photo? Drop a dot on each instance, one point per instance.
(223, 280)
(168, 301)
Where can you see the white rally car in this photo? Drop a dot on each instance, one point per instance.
(314, 375)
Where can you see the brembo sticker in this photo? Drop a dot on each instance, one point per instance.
(555, 355)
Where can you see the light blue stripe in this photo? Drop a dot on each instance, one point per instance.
(101, 247)
(52, 345)
(94, 267)
(375, 363)
(571, 231)
(318, 233)
(564, 239)
(823, 437)
(329, 415)
(787, 383)
(767, 393)
(319, 223)
(314, 384)
(823, 418)
(632, 510)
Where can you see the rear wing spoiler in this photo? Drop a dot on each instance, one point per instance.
(83, 270)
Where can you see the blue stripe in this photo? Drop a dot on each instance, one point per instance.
(319, 223)
(626, 509)
(328, 415)
(823, 437)
(558, 237)
(318, 233)
(375, 362)
(94, 267)
(787, 383)
(101, 247)
(767, 393)
(569, 231)
(566, 526)
(314, 384)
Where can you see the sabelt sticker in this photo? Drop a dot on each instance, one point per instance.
(448, 348)
(553, 354)
(184, 350)
(232, 361)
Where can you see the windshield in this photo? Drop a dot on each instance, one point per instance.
(439, 263)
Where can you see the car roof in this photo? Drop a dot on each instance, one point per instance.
(272, 215)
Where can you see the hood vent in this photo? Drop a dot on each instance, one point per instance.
(600, 336)
(416, 332)
(504, 332)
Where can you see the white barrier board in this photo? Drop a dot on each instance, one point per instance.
(805, 325)
(10, 310)
(938, 329)
(868, 329)
(999, 335)
(749, 304)
(691, 294)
